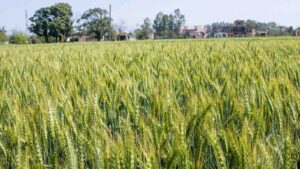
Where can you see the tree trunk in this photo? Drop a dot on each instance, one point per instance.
(46, 36)
(47, 39)
(98, 37)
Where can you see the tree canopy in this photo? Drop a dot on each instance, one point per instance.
(145, 31)
(168, 26)
(54, 21)
(96, 23)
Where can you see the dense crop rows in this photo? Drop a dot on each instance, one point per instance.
(164, 104)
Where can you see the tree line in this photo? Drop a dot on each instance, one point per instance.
(16, 37)
(56, 24)
(272, 28)
(164, 26)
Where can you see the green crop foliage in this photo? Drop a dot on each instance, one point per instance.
(232, 103)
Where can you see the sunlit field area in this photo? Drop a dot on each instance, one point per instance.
(231, 103)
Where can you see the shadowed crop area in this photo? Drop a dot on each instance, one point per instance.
(232, 103)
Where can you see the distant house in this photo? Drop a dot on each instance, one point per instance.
(241, 30)
(151, 35)
(80, 38)
(221, 35)
(297, 32)
(125, 37)
(197, 32)
(261, 33)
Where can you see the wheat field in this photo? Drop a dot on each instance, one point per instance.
(211, 104)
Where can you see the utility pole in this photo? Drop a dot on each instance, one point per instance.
(110, 32)
(26, 22)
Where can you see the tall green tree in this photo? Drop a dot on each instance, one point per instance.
(62, 24)
(290, 30)
(168, 26)
(145, 31)
(178, 22)
(54, 21)
(161, 26)
(96, 23)
(41, 23)
(3, 36)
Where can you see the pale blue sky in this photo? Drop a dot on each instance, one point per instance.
(197, 12)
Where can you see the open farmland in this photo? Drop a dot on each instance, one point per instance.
(231, 103)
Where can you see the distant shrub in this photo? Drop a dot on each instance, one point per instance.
(18, 38)
(3, 37)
